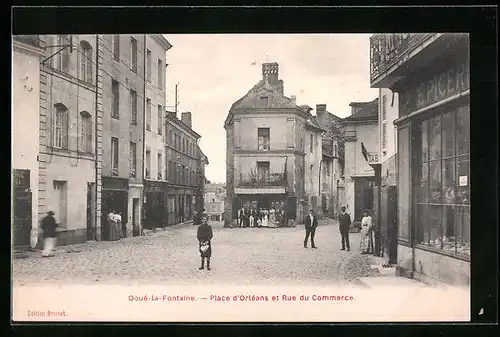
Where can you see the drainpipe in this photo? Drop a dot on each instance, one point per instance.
(143, 138)
(96, 217)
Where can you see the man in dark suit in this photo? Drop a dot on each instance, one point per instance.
(311, 222)
(344, 226)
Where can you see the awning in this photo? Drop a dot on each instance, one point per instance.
(260, 190)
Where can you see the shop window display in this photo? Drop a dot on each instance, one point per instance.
(443, 205)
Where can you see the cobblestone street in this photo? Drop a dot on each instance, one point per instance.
(240, 256)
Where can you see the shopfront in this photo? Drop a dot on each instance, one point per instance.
(155, 204)
(114, 198)
(434, 173)
(180, 204)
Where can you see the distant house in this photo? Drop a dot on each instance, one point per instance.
(214, 200)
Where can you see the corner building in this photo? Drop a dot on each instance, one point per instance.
(267, 136)
(430, 72)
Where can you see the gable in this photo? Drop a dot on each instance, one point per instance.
(252, 100)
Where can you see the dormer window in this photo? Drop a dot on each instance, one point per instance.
(263, 102)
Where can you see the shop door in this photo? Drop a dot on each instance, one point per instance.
(392, 223)
(90, 211)
(363, 198)
(22, 218)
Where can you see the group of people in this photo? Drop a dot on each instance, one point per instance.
(251, 217)
(367, 228)
(115, 226)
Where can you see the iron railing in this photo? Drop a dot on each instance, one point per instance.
(32, 40)
(262, 180)
(388, 49)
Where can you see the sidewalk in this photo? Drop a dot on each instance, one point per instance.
(79, 247)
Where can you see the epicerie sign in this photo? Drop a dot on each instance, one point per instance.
(444, 84)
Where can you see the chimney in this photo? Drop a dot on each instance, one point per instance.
(186, 118)
(270, 71)
(293, 98)
(320, 112)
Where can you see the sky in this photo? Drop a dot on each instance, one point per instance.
(215, 70)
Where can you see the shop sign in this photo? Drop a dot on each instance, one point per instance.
(462, 181)
(21, 179)
(444, 84)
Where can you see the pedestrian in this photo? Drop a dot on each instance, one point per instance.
(311, 223)
(49, 226)
(196, 218)
(204, 236)
(344, 226)
(251, 218)
(118, 219)
(366, 233)
(240, 217)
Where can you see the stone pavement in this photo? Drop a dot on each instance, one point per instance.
(239, 256)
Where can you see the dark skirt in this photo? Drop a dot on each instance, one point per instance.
(208, 252)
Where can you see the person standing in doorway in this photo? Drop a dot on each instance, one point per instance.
(49, 226)
(251, 217)
(204, 236)
(344, 226)
(311, 223)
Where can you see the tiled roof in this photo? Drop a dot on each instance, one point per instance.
(369, 111)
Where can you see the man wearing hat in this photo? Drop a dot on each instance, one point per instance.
(49, 226)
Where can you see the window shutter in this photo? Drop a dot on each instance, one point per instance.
(89, 65)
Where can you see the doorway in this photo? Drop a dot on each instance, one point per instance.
(90, 211)
(135, 216)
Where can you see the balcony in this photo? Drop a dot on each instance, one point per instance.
(390, 51)
(32, 40)
(262, 180)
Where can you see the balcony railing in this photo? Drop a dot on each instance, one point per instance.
(388, 49)
(263, 180)
(32, 40)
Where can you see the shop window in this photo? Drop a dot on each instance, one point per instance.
(443, 205)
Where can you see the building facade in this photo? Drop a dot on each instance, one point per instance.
(27, 53)
(214, 201)
(183, 168)
(155, 174)
(430, 72)
(69, 127)
(332, 163)
(267, 134)
(123, 101)
(361, 129)
(388, 106)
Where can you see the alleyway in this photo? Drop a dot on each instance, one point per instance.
(240, 256)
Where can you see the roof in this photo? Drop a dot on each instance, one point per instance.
(367, 112)
(203, 156)
(172, 116)
(312, 121)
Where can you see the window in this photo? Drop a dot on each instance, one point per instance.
(115, 91)
(263, 102)
(263, 139)
(85, 62)
(133, 54)
(63, 57)
(148, 65)
(148, 114)
(148, 163)
(170, 171)
(263, 169)
(182, 177)
(160, 166)
(443, 203)
(160, 119)
(133, 107)
(171, 137)
(114, 156)
(335, 150)
(86, 132)
(160, 74)
(133, 159)
(311, 143)
(61, 126)
(183, 145)
(116, 47)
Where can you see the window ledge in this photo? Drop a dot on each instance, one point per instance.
(404, 242)
(458, 256)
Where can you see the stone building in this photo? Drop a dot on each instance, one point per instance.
(155, 177)
(70, 116)
(430, 72)
(267, 135)
(27, 53)
(214, 200)
(332, 163)
(183, 168)
(361, 129)
(123, 102)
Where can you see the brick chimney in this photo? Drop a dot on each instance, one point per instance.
(270, 71)
(186, 118)
(320, 112)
